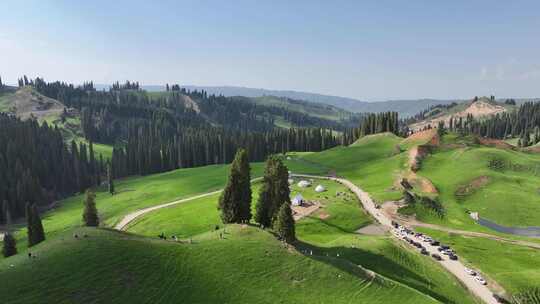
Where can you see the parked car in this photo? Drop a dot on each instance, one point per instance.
(436, 257)
(500, 299)
(453, 257)
(434, 243)
(424, 251)
(480, 280)
(470, 271)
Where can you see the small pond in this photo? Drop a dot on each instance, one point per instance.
(522, 231)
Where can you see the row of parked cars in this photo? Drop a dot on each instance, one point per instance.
(409, 236)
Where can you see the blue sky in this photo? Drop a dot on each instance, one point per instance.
(370, 50)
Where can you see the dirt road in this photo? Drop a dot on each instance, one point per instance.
(122, 225)
(455, 267)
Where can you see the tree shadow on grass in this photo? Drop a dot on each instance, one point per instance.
(349, 259)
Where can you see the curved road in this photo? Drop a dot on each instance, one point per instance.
(455, 267)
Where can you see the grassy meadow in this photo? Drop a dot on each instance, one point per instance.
(465, 181)
(248, 266)
(329, 231)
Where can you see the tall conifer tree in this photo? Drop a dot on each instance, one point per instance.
(235, 200)
(90, 214)
(284, 225)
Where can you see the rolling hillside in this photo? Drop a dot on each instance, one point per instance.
(406, 108)
(249, 266)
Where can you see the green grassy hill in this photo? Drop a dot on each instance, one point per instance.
(329, 232)
(249, 266)
(372, 163)
(144, 191)
(505, 192)
(313, 109)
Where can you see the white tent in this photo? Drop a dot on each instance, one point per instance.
(320, 188)
(297, 200)
(304, 183)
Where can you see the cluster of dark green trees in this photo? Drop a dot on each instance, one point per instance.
(150, 150)
(35, 231)
(273, 207)
(379, 122)
(523, 123)
(36, 166)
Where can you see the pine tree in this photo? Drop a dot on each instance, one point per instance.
(10, 245)
(36, 234)
(284, 226)
(110, 179)
(90, 214)
(282, 192)
(245, 186)
(263, 214)
(29, 225)
(235, 198)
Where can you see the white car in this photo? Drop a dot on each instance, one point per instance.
(470, 271)
(480, 280)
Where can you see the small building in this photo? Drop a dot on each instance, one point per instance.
(320, 188)
(304, 184)
(298, 200)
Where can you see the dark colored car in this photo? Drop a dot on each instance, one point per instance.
(436, 257)
(434, 243)
(453, 257)
(500, 299)
(424, 252)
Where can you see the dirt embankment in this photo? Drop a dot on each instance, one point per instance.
(497, 143)
(468, 189)
(417, 155)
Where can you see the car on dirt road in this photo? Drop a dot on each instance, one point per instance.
(470, 271)
(480, 280)
(436, 257)
(453, 257)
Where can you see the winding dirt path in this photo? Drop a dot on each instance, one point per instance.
(126, 220)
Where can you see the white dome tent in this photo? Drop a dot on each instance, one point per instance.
(304, 184)
(320, 188)
(297, 200)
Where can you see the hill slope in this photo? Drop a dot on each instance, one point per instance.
(26, 102)
(249, 266)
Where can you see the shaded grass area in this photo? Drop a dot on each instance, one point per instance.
(514, 267)
(249, 266)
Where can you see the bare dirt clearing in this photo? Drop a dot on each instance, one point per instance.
(27, 102)
(476, 109)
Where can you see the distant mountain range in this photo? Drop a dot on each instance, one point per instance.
(405, 108)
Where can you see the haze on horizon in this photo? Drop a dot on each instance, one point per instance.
(368, 51)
